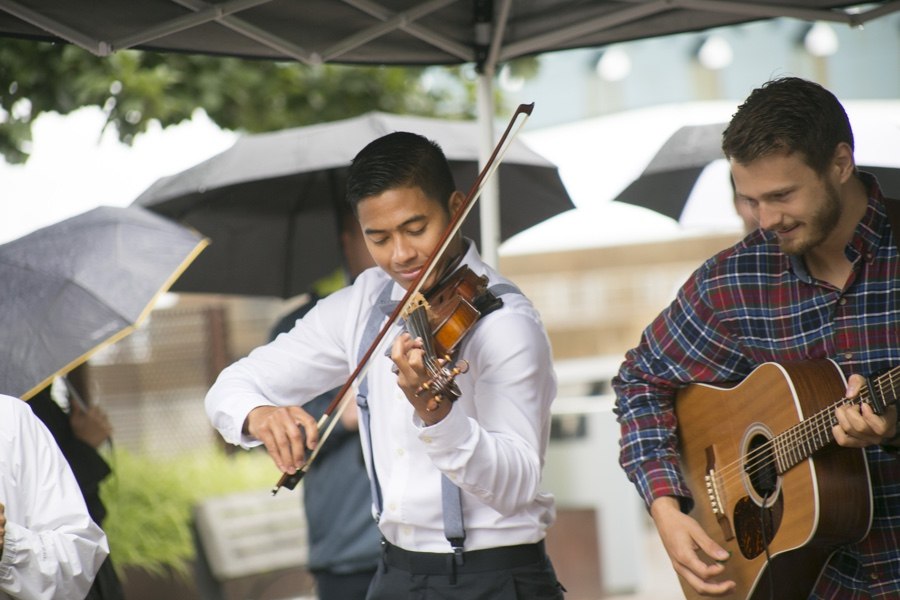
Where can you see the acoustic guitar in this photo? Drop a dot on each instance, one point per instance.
(769, 483)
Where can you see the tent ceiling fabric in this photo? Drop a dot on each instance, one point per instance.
(424, 32)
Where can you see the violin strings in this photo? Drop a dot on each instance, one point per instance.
(418, 324)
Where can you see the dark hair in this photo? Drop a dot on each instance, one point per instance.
(788, 115)
(400, 159)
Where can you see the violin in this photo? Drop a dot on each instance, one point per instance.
(450, 331)
(442, 317)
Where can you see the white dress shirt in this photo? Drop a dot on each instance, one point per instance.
(491, 444)
(52, 549)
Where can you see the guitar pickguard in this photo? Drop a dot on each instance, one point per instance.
(756, 526)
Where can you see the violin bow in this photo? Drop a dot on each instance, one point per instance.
(332, 414)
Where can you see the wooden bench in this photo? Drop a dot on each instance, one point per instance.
(254, 546)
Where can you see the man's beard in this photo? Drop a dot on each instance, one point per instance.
(820, 224)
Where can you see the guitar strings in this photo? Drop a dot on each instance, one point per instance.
(797, 442)
(794, 442)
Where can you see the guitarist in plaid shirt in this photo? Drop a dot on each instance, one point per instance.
(818, 279)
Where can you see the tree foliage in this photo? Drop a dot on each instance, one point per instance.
(134, 88)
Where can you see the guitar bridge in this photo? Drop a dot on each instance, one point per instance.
(716, 502)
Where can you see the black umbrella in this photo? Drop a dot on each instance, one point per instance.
(270, 204)
(668, 180)
(666, 183)
(73, 287)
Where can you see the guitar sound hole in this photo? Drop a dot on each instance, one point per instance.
(759, 465)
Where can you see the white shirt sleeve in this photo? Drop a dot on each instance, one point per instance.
(52, 549)
(312, 358)
(493, 441)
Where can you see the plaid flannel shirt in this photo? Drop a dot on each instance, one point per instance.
(752, 304)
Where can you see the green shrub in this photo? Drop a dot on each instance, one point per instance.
(150, 502)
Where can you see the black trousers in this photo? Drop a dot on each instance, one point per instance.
(342, 586)
(513, 573)
(106, 584)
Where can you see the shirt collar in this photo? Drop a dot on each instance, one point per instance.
(871, 231)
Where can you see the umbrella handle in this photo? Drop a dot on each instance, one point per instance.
(340, 400)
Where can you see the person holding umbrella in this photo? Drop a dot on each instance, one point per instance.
(72, 288)
(344, 543)
(455, 484)
(79, 427)
(817, 280)
(50, 549)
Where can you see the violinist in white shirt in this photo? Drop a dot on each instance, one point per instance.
(455, 474)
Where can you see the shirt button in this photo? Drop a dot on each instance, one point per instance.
(848, 355)
(400, 452)
(427, 439)
(842, 301)
(392, 507)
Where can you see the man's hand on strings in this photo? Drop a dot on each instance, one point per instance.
(857, 424)
(286, 431)
(412, 376)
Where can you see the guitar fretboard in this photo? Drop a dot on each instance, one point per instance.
(799, 442)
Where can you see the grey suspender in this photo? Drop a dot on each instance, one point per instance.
(451, 497)
(384, 306)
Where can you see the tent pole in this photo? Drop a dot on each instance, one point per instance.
(489, 208)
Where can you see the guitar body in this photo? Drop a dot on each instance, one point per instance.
(740, 500)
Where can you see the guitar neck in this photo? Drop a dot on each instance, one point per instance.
(799, 442)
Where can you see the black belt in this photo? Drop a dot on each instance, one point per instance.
(473, 561)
